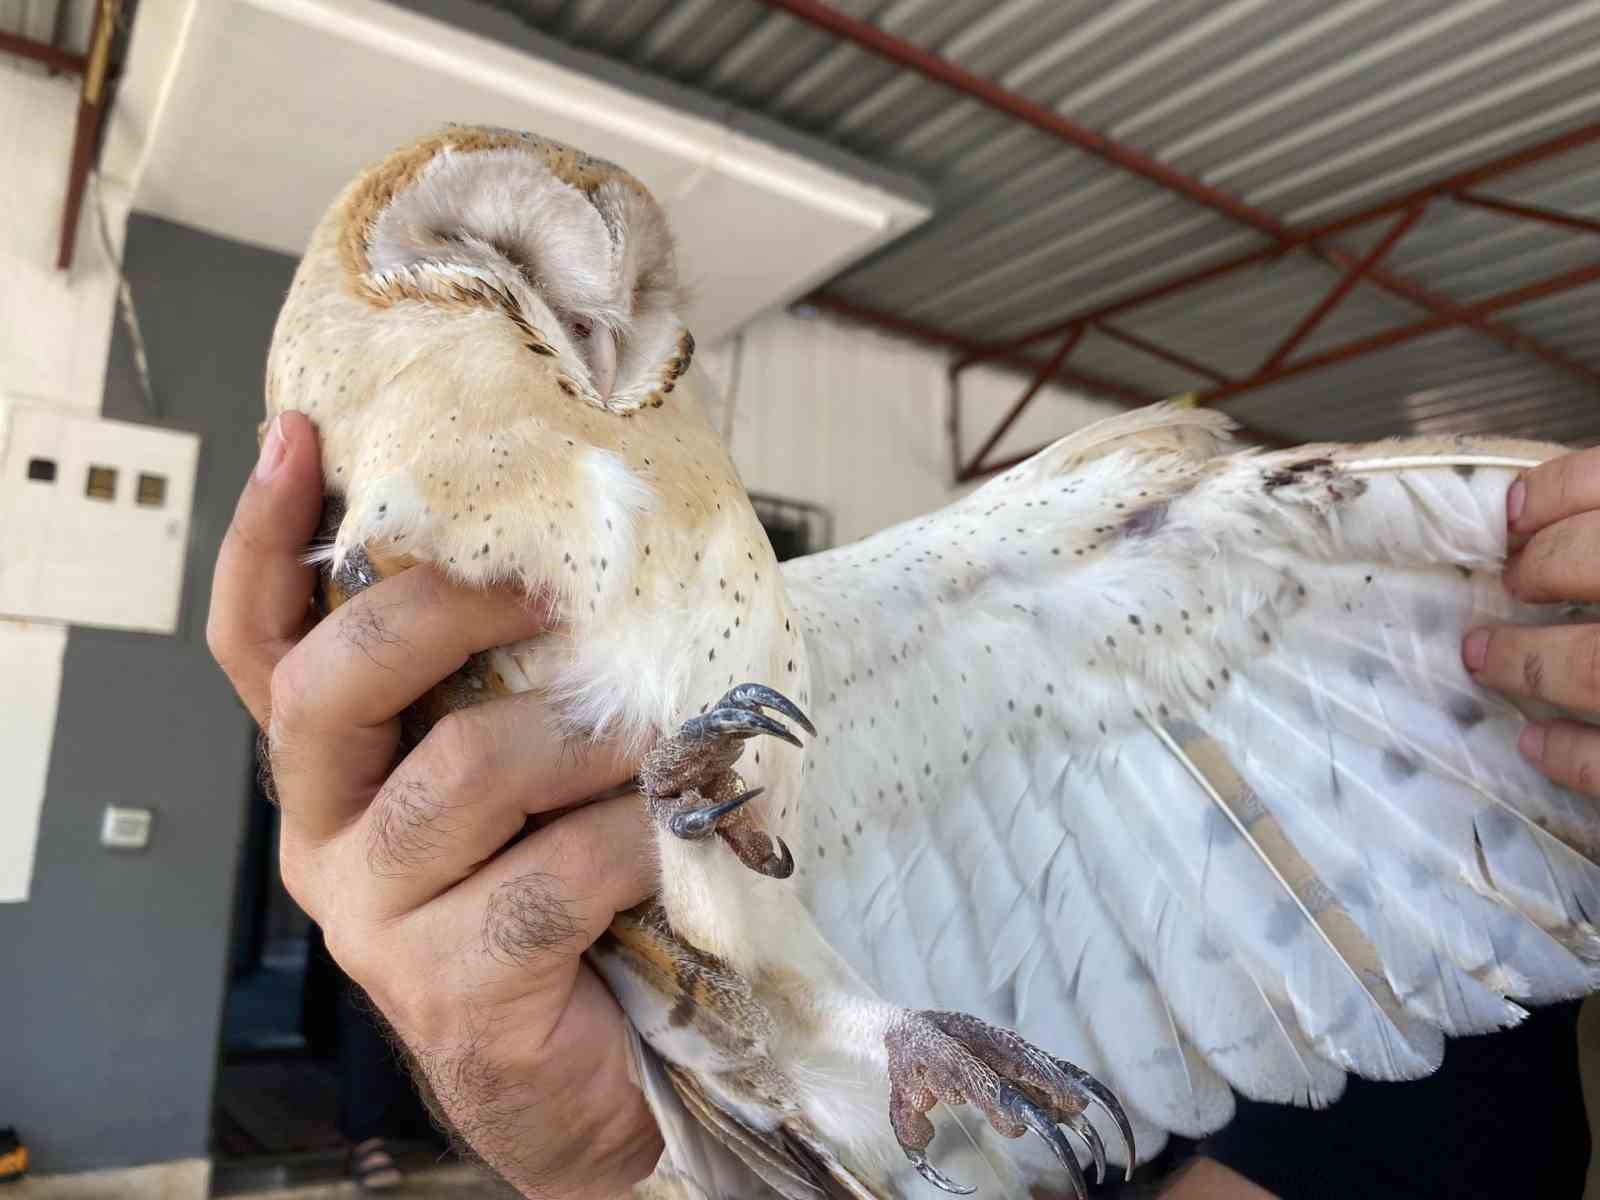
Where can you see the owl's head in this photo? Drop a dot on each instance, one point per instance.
(486, 330)
(571, 250)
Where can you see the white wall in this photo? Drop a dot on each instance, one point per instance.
(831, 413)
(55, 330)
(849, 418)
(55, 326)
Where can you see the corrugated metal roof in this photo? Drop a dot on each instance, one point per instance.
(60, 23)
(32, 19)
(1303, 108)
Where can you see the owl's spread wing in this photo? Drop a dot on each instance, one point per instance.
(1167, 759)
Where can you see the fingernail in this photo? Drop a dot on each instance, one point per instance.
(273, 449)
(1515, 499)
(1531, 743)
(1475, 649)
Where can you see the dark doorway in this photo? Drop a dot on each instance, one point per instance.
(794, 527)
(302, 1060)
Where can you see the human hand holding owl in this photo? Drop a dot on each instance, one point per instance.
(471, 953)
(1554, 518)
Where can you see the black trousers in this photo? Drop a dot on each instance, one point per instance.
(1503, 1117)
(376, 1095)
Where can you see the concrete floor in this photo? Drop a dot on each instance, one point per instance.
(190, 1180)
(437, 1183)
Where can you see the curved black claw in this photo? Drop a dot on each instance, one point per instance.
(919, 1160)
(747, 694)
(779, 864)
(1090, 1137)
(1020, 1108)
(692, 824)
(1102, 1096)
(736, 722)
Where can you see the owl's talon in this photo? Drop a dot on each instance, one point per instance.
(1102, 1095)
(691, 787)
(777, 865)
(737, 723)
(1090, 1137)
(692, 824)
(919, 1160)
(761, 695)
(956, 1058)
(1017, 1106)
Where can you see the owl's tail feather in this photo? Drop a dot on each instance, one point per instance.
(685, 1004)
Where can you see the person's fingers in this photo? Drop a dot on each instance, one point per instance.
(336, 693)
(261, 591)
(387, 645)
(1560, 664)
(464, 792)
(1567, 751)
(557, 890)
(1552, 491)
(517, 925)
(1559, 562)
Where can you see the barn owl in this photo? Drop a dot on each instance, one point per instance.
(1142, 776)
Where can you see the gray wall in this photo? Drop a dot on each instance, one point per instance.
(112, 973)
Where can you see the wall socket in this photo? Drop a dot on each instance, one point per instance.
(125, 828)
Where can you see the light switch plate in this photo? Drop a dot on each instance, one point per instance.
(125, 828)
(96, 518)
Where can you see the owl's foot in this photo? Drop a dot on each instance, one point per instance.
(957, 1059)
(691, 787)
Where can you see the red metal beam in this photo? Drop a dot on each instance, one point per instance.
(1161, 352)
(953, 423)
(1578, 277)
(942, 71)
(1045, 373)
(1507, 335)
(86, 136)
(1084, 380)
(1529, 212)
(50, 56)
(1571, 140)
(1352, 276)
(966, 348)
(1563, 143)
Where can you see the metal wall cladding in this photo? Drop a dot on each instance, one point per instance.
(1303, 108)
(62, 23)
(32, 19)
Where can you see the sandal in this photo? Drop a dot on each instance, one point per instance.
(372, 1167)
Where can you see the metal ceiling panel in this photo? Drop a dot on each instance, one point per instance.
(1305, 109)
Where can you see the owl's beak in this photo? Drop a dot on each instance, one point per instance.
(601, 350)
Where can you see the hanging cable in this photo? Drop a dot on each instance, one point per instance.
(125, 305)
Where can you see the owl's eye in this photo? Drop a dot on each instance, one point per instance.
(597, 342)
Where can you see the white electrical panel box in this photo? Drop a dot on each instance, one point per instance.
(94, 518)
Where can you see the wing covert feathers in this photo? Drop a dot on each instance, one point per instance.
(1163, 754)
